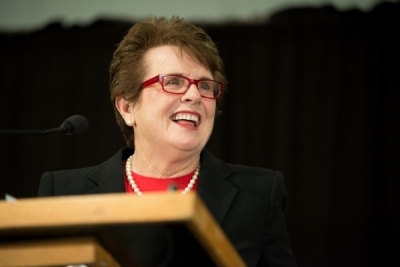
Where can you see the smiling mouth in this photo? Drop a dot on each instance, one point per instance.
(185, 117)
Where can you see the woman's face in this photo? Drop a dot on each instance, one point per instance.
(162, 120)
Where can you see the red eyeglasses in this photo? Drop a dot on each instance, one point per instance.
(177, 84)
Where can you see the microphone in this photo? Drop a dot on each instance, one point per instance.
(73, 125)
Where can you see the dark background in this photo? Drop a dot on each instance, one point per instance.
(312, 92)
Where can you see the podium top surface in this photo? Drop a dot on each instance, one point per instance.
(84, 214)
(96, 210)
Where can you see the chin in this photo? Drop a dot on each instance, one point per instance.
(189, 146)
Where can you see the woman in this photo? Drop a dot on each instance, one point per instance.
(167, 82)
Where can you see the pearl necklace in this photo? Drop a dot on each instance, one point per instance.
(134, 187)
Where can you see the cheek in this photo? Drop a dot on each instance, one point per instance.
(210, 125)
(210, 109)
(154, 107)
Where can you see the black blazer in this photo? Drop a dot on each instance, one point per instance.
(247, 202)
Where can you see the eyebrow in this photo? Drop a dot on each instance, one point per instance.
(181, 74)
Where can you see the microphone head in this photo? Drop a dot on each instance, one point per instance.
(74, 125)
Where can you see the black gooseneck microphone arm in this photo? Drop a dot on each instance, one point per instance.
(73, 125)
(28, 132)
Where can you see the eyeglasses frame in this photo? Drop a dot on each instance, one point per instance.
(159, 78)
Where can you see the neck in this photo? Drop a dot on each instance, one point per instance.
(165, 164)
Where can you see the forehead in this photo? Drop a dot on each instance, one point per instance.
(172, 59)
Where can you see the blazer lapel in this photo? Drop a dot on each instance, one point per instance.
(214, 189)
(108, 177)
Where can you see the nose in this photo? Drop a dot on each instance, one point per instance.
(192, 95)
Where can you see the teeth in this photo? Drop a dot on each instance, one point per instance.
(187, 117)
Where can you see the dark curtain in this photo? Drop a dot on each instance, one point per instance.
(312, 92)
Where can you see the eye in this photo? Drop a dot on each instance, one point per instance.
(172, 81)
(206, 86)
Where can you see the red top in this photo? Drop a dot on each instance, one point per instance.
(151, 184)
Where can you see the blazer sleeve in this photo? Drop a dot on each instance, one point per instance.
(46, 187)
(277, 250)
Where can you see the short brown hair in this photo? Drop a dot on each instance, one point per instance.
(127, 68)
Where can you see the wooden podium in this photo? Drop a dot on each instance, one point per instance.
(90, 230)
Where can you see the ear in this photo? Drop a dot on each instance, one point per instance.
(125, 108)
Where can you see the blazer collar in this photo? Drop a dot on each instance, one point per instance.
(213, 188)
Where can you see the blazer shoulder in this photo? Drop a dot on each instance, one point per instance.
(254, 171)
(108, 174)
(257, 173)
(64, 182)
(74, 173)
(259, 180)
